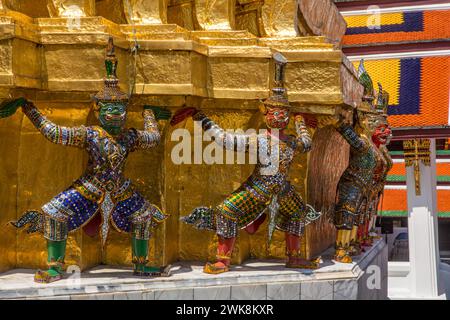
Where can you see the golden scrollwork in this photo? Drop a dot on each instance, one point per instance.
(416, 150)
(70, 8)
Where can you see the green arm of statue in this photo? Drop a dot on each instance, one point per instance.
(68, 136)
(356, 142)
(160, 113)
(9, 107)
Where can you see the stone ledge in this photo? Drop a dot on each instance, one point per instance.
(259, 280)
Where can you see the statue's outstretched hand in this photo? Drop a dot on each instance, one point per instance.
(9, 107)
(323, 121)
(183, 114)
(160, 113)
(346, 117)
(309, 119)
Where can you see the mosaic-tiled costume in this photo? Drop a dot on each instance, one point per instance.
(102, 194)
(103, 188)
(267, 189)
(252, 199)
(356, 185)
(384, 165)
(356, 181)
(379, 180)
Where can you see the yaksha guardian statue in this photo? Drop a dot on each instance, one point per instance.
(102, 191)
(267, 189)
(381, 138)
(355, 186)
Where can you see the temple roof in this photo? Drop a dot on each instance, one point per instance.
(418, 89)
(406, 47)
(403, 51)
(397, 27)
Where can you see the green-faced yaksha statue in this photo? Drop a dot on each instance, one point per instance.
(102, 197)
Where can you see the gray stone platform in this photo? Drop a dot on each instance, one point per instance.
(365, 278)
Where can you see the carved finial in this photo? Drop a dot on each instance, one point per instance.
(111, 60)
(382, 100)
(111, 90)
(278, 97)
(280, 65)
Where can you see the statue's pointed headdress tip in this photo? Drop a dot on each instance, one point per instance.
(111, 91)
(361, 67)
(366, 81)
(382, 100)
(278, 97)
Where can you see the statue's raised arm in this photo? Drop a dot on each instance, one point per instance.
(226, 139)
(356, 141)
(303, 137)
(67, 136)
(150, 136)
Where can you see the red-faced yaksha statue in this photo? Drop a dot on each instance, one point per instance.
(267, 190)
(380, 138)
(366, 165)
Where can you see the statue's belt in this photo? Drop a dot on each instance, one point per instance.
(95, 190)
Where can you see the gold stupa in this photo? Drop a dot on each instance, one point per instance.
(214, 55)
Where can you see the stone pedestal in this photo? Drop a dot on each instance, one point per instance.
(365, 278)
